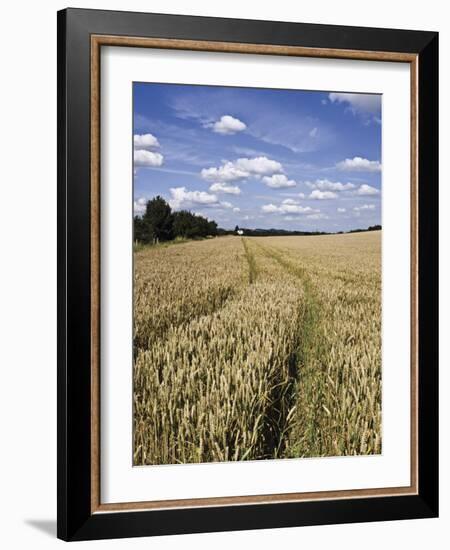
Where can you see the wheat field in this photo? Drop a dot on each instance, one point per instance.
(257, 348)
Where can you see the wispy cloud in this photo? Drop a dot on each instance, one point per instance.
(298, 132)
(358, 103)
(224, 188)
(319, 216)
(298, 136)
(248, 151)
(186, 145)
(364, 207)
(288, 206)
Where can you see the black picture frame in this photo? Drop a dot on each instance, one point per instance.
(75, 518)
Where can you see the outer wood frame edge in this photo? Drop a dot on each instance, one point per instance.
(235, 47)
(414, 274)
(95, 274)
(261, 49)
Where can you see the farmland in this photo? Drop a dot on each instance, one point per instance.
(257, 348)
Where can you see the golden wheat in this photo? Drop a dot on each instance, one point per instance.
(257, 348)
(175, 284)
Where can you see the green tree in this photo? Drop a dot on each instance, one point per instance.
(212, 228)
(183, 224)
(191, 226)
(139, 230)
(157, 221)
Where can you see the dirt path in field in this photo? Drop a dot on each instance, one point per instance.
(252, 269)
(309, 342)
(311, 308)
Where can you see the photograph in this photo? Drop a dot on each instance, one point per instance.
(257, 273)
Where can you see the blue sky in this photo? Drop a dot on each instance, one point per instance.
(259, 158)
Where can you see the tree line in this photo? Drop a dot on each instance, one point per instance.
(273, 232)
(159, 224)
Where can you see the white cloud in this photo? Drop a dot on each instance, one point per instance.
(182, 198)
(341, 210)
(327, 185)
(313, 132)
(140, 206)
(365, 189)
(295, 209)
(145, 141)
(317, 194)
(228, 125)
(227, 172)
(147, 158)
(288, 206)
(278, 180)
(317, 216)
(359, 164)
(364, 207)
(358, 103)
(269, 208)
(242, 168)
(259, 165)
(236, 209)
(247, 151)
(224, 188)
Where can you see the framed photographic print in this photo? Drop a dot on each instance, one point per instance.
(247, 252)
